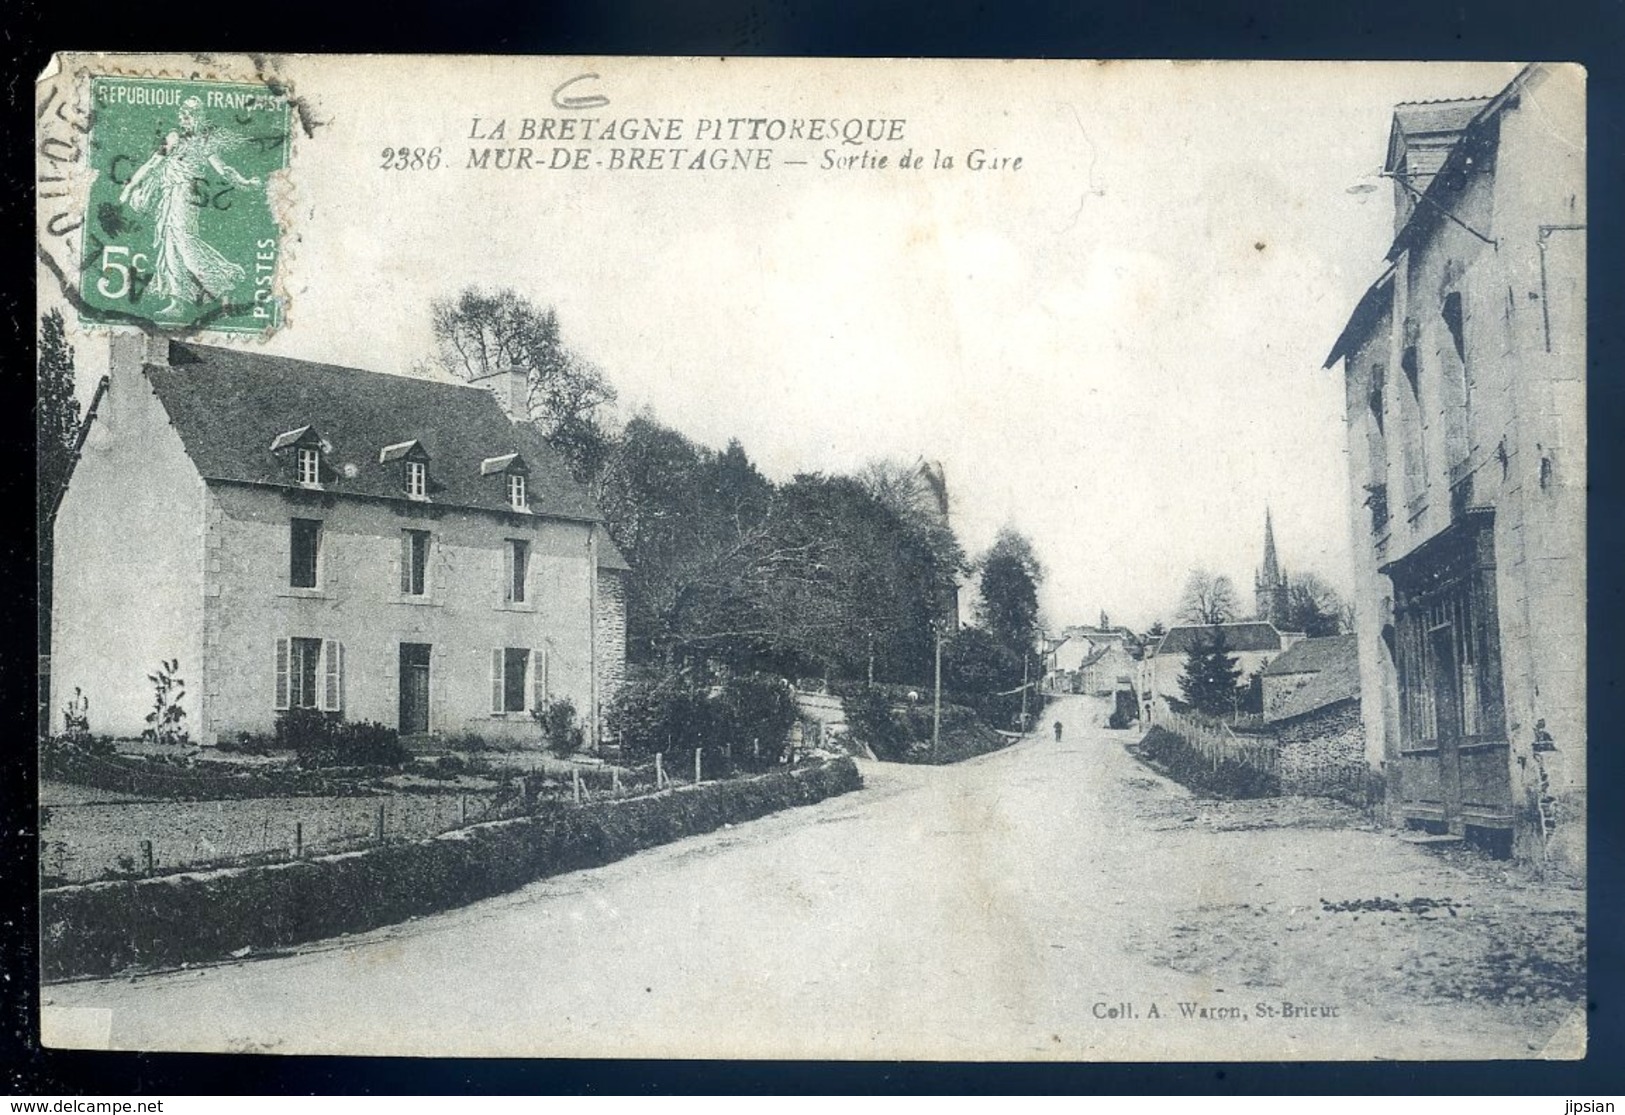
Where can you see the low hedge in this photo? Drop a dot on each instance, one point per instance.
(98, 929)
(1173, 756)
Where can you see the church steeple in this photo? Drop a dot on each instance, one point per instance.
(1271, 571)
(1270, 585)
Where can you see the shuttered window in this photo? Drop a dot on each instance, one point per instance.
(540, 694)
(281, 701)
(309, 674)
(332, 676)
(304, 671)
(510, 674)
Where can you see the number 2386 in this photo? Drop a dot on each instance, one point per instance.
(410, 158)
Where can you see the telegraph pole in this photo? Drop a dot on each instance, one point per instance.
(1024, 659)
(936, 696)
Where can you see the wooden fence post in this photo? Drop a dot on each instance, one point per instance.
(696, 766)
(379, 831)
(615, 779)
(576, 773)
(146, 857)
(299, 840)
(660, 775)
(462, 810)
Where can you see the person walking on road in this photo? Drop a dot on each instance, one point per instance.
(1057, 731)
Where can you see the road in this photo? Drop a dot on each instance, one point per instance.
(1050, 901)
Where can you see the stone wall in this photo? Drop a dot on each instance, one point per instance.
(611, 635)
(1323, 754)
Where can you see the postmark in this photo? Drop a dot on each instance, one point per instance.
(179, 228)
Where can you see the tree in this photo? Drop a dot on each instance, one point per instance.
(1011, 574)
(1313, 607)
(1158, 630)
(1209, 681)
(1208, 599)
(56, 423)
(482, 333)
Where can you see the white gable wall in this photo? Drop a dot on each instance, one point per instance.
(128, 581)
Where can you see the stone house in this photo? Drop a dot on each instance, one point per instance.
(1253, 643)
(380, 547)
(1303, 664)
(1464, 373)
(1107, 670)
(1312, 709)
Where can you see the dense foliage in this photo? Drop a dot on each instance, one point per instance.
(56, 427)
(742, 723)
(1209, 681)
(321, 739)
(561, 729)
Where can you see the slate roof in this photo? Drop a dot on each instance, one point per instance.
(1310, 656)
(610, 556)
(1337, 680)
(1250, 636)
(229, 405)
(1418, 118)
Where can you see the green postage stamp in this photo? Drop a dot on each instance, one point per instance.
(179, 229)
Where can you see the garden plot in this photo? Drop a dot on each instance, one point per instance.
(82, 843)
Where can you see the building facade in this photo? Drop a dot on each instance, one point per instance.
(1464, 372)
(1253, 644)
(382, 548)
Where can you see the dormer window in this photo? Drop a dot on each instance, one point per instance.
(513, 471)
(304, 453)
(413, 461)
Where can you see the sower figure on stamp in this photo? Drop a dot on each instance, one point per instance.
(184, 266)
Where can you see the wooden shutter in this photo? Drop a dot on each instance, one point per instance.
(281, 674)
(539, 695)
(332, 672)
(507, 571)
(496, 680)
(406, 562)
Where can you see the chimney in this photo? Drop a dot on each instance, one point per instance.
(511, 386)
(129, 353)
(518, 392)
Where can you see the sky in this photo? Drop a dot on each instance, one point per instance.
(1115, 348)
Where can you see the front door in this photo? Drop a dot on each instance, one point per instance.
(414, 689)
(1447, 711)
(1454, 764)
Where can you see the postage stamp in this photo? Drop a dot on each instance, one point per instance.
(179, 229)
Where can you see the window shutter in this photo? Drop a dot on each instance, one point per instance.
(406, 562)
(538, 678)
(496, 680)
(331, 701)
(507, 571)
(281, 674)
